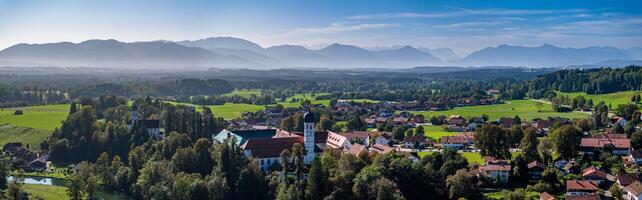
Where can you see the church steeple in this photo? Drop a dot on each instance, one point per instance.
(308, 137)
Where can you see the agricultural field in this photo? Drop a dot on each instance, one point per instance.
(234, 110)
(45, 117)
(27, 135)
(525, 109)
(46, 191)
(312, 96)
(244, 93)
(436, 132)
(614, 99)
(33, 126)
(228, 110)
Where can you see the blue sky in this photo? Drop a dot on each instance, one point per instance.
(464, 26)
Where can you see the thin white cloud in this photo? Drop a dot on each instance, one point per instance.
(465, 12)
(339, 28)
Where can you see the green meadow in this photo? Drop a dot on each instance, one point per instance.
(45, 117)
(228, 110)
(614, 99)
(436, 132)
(471, 157)
(244, 93)
(525, 109)
(33, 126)
(46, 191)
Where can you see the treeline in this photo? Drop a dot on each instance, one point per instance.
(25, 96)
(160, 88)
(83, 137)
(591, 81)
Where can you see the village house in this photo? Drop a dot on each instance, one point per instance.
(497, 170)
(635, 156)
(592, 196)
(625, 179)
(356, 149)
(592, 146)
(458, 141)
(634, 191)
(383, 138)
(381, 149)
(414, 141)
(535, 169)
(595, 174)
(579, 188)
(506, 122)
(546, 196)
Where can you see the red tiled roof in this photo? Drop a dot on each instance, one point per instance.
(635, 188)
(584, 197)
(581, 185)
(593, 171)
(362, 135)
(626, 179)
(600, 142)
(381, 149)
(496, 168)
(270, 147)
(356, 149)
(457, 139)
(546, 196)
(536, 164)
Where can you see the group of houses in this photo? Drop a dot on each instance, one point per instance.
(25, 159)
(266, 145)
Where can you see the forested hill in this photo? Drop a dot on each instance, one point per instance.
(591, 81)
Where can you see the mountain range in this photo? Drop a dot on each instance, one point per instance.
(228, 52)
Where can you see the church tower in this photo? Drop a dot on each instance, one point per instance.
(308, 137)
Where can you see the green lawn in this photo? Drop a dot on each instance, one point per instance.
(615, 99)
(472, 157)
(524, 108)
(244, 93)
(28, 136)
(46, 192)
(436, 132)
(40, 117)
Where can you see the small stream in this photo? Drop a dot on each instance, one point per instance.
(102, 193)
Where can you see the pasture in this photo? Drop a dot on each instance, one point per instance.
(614, 99)
(436, 132)
(45, 117)
(27, 135)
(525, 109)
(244, 93)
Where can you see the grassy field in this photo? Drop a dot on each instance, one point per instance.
(234, 110)
(436, 132)
(615, 99)
(525, 109)
(28, 136)
(228, 110)
(40, 117)
(472, 157)
(46, 192)
(244, 93)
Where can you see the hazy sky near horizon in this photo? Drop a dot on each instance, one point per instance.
(463, 26)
